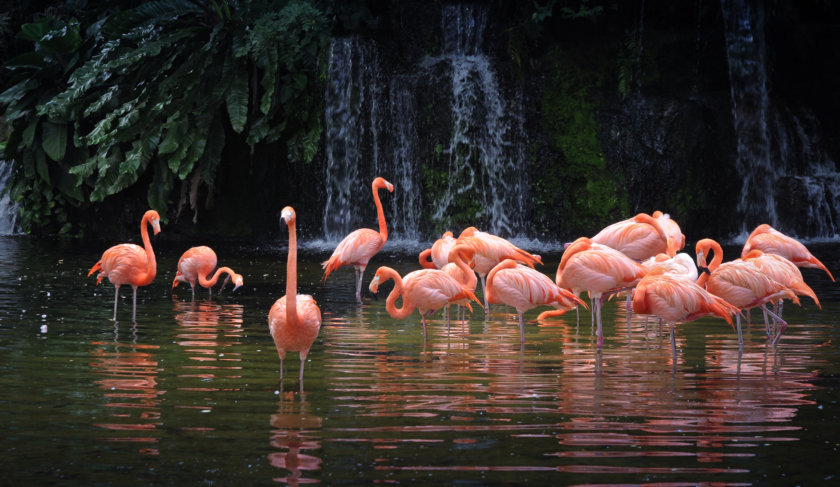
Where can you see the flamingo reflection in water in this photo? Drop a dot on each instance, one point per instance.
(295, 430)
(207, 332)
(129, 381)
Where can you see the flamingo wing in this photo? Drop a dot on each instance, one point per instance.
(356, 249)
(125, 264)
(294, 337)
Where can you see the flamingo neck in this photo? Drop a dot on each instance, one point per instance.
(291, 276)
(457, 257)
(391, 302)
(670, 246)
(380, 213)
(213, 280)
(425, 261)
(151, 263)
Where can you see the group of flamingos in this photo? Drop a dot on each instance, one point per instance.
(638, 256)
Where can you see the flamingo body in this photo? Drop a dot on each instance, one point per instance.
(196, 264)
(524, 288)
(639, 238)
(129, 263)
(782, 271)
(294, 320)
(771, 241)
(439, 253)
(360, 245)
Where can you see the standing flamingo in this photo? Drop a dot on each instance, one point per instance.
(677, 300)
(459, 256)
(427, 290)
(196, 264)
(129, 263)
(771, 241)
(639, 238)
(740, 283)
(439, 252)
(524, 288)
(782, 271)
(489, 250)
(360, 245)
(295, 319)
(598, 269)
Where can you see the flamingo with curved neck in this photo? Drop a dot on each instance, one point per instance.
(771, 241)
(295, 319)
(129, 263)
(426, 290)
(439, 253)
(196, 264)
(360, 245)
(639, 238)
(741, 284)
(524, 288)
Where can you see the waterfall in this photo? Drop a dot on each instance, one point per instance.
(744, 25)
(787, 178)
(8, 209)
(483, 150)
(374, 126)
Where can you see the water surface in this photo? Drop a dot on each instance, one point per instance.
(190, 393)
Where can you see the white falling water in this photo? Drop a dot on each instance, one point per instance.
(483, 151)
(744, 24)
(372, 129)
(8, 209)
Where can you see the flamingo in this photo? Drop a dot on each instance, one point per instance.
(677, 300)
(295, 319)
(740, 283)
(129, 263)
(782, 271)
(639, 238)
(439, 252)
(458, 268)
(360, 245)
(672, 229)
(489, 250)
(427, 290)
(771, 241)
(524, 288)
(598, 269)
(679, 266)
(196, 264)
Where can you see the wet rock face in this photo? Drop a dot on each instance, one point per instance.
(807, 205)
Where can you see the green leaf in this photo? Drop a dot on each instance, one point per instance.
(29, 133)
(54, 140)
(237, 99)
(41, 166)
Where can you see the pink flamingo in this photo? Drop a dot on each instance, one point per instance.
(600, 270)
(360, 245)
(771, 241)
(524, 288)
(677, 300)
(129, 263)
(672, 229)
(427, 290)
(295, 319)
(196, 264)
(639, 238)
(439, 252)
(740, 283)
(489, 250)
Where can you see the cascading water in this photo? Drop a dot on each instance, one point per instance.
(744, 23)
(483, 150)
(8, 209)
(373, 126)
(787, 179)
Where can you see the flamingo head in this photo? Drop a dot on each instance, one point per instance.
(374, 284)
(380, 182)
(237, 282)
(288, 215)
(154, 218)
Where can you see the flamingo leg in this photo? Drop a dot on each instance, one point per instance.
(600, 304)
(425, 333)
(116, 299)
(192, 287)
(360, 271)
(782, 324)
(738, 327)
(134, 304)
(766, 321)
(629, 304)
(484, 292)
(302, 362)
(281, 371)
(521, 330)
(673, 343)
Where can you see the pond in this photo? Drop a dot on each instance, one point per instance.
(190, 393)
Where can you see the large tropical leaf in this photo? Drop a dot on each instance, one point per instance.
(54, 139)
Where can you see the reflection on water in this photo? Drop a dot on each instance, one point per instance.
(295, 433)
(127, 373)
(190, 394)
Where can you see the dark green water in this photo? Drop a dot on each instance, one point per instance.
(190, 394)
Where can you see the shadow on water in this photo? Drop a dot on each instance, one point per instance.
(191, 393)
